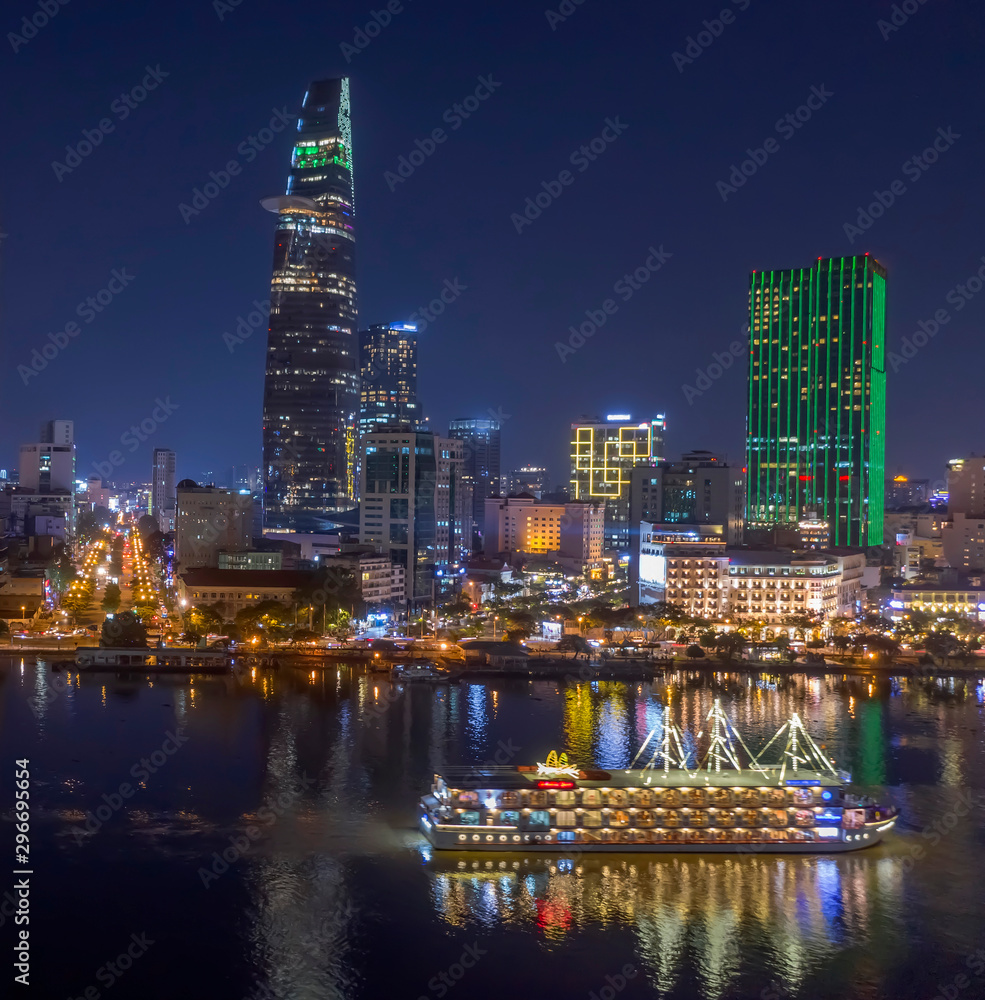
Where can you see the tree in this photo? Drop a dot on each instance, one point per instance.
(707, 639)
(694, 652)
(303, 635)
(204, 618)
(339, 626)
(4, 629)
(727, 644)
(192, 637)
(941, 645)
(124, 631)
(111, 598)
(520, 625)
(577, 644)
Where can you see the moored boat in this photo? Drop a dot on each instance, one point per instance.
(169, 659)
(417, 672)
(801, 804)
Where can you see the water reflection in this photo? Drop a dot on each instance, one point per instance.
(712, 914)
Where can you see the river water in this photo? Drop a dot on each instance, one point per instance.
(254, 836)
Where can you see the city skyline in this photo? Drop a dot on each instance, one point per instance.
(118, 286)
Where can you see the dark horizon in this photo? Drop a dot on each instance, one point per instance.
(675, 108)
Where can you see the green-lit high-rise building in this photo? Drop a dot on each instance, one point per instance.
(816, 428)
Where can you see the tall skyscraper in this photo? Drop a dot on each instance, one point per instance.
(162, 489)
(603, 456)
(388, 377)
(311, 388)
(815, 435)
(480, 439)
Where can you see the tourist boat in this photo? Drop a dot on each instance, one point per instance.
(169, 659)
(671, 803)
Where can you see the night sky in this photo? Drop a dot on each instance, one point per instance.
(221, 75)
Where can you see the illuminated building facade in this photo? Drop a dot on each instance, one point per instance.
(683, 566)
(163, 498)
(480, 453)
(569, 534)
(901, 491)
(388, 376)
(603, 456)
(817, 398)
(311, 388)
(415, 507)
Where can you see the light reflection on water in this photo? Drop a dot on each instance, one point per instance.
(344, 860)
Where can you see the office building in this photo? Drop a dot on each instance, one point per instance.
(209, 520)
(48, 465)
(816, 422)
(388, 377)
(901, 491)
(414, 508)
(162, 488)
(480, 454)
(963, 532)
(702, 489)
(521, 528)
(530, 479)
(311, 386)
(603, 456)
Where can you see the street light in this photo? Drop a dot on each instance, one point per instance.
(495, 619)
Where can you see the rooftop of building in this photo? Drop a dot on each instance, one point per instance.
(206, 576)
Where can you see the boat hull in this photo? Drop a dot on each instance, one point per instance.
(444, 838)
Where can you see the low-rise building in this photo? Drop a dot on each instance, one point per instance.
(967, 600)
(768, 585)
(687, 566)
(570, 534)
(236, 589)
(251, 559)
